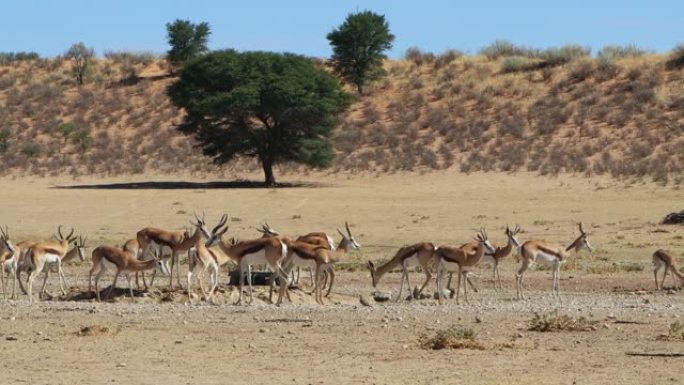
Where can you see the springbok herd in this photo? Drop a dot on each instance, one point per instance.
(208, 251)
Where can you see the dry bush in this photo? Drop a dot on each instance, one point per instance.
(453, 337)
(555, 322)
(503, 48)
(613, 52)
(676, 59)
(676, 331)
(418, 57)
(447, 58)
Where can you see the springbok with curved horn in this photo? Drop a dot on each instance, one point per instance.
(13, 260)
(122, 261)
(452, 258)
(422, 254)
(177, 241)
(550, 254)
(206, 259)
(493, 258)
(665, 259)
(266, 250)
(42, 255)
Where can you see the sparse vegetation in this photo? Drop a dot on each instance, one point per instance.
(453, 337)
(581, 116)
(676, 331)
(555, 322)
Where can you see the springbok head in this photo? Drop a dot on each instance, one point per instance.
(267, 230)
(582, 242)
(80, 245)
(6, 242)
(217, 232)
(482, 238)
(201, 224)
(60, 237)
(348, 240)
(511, 234)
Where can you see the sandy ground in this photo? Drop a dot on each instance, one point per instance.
(159, 337)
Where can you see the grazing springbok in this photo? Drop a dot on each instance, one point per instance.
(550, 254)
(663, 259)
(42, 256)
(261, 251)
(122, 261)
(422, 254)
(177, 241)
(460, 260)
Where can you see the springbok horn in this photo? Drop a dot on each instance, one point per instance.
(70, 234)
(346, 224)
(341, 233)
(581, 229)
(59, 232)
(222, 221)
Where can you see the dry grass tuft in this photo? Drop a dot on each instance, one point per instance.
(676, 331)
(97, 330)
(554, 322)
(453, 337)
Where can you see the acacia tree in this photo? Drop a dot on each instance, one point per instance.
(358, 47)
(187, 41)
(82, 57)
(276, 107)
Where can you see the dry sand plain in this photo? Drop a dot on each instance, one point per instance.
(160, 338)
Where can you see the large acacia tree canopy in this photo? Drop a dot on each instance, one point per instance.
(277, 107)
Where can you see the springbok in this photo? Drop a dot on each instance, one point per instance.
(550, 254)
(177, 241)
(267, 251)
(122, 261)
(422, 254)
(452, 258)
(664, 259)
(42, 256)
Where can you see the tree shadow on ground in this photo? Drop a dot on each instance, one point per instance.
(183, 185)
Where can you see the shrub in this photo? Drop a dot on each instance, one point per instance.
(447, 58)
(503, 48)
(676, 331)
(676, 59)
(132, 57)
(512, 125)
(580, 71)
(454, 337)
(419, 57)
(32, 150)
(5, 134)
(606, 69)
(565, 54)
(515, 64)
(82, 138)
(554, 322)
(11, 57)
(613, 52)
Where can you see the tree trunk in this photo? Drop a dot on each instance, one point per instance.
(359, 87)
(267, 165)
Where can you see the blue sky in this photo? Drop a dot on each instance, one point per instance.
(50, 27)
